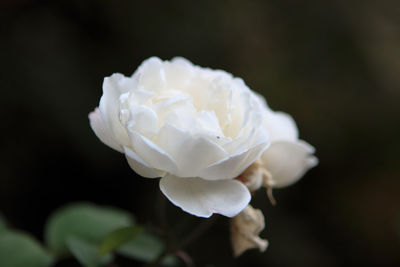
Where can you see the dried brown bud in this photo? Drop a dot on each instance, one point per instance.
(256, 176)
(252, 177)
(245, 228)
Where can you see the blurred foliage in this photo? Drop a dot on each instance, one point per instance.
(119, 237)
(145, 247)
(83, 220)
(87, 253)
(333, 65)
(21, 250)
(89, 233)
(3, 224)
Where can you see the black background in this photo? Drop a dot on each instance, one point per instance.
(333, 65)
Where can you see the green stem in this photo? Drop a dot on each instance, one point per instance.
(185, 258)
(164, 220)
(190, 238)
(165, 232)
(197, 232)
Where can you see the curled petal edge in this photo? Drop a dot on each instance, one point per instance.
(203, 198)
(289, 161)
(102, 131)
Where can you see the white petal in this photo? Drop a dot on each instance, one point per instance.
(178, 72)
(280, 126)
(140, 96)
(256, 151)
(151, 74)
(191, 154)
(234, 165)
(102, 131)
(143, 120)
(197, 153)
(203, 198)
(207, 122)
(165, 105)
(139, 165)
(241, 142)
(288, 161)
(224, 169)
(110, 107)
(154, 155)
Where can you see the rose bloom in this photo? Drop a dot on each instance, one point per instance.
(194, 127)
(198, 129)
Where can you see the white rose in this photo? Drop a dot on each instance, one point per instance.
(195, 127)
(288, 158)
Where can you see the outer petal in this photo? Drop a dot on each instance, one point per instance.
(151, 153)
(191, 154)
(288, 161)
(139, 165)
(203, 198)
(143, 120)
(280, 126)
(261, 143)
(234, 165)
(113, 87)
(151, 74)
(178, 72)
(102, 131)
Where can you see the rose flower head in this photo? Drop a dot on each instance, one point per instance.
(196, 128)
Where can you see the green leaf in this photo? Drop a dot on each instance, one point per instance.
(170, 260)
(85, 221)
(118, 237)
(86, 253)
(145, 247)
(21, 250)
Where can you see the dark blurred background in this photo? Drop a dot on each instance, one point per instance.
(333, 65)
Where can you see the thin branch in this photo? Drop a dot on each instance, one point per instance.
(162, 212)
(185, 258)
(197, 232)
